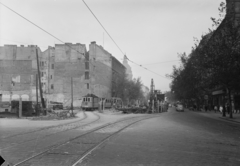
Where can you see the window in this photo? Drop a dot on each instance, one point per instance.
(87, 57)
(52, 66)
(86, 75)
(42, 74)
(87, 85)
(87, 65)
(52, 87)
(41, 63)
(51, 76)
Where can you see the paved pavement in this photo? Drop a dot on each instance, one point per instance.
(173, 139)
(218, 115)
(21, 138)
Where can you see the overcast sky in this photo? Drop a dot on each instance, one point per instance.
(148, 31)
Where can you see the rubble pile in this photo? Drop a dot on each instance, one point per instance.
(65, 114)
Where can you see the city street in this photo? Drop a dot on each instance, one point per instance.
(170, 138)
(175, 138)
(119, 83)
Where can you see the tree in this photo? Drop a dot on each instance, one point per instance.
(129, 90)
(222, 57)
(135, 89)
(214, 61)
(170, 97)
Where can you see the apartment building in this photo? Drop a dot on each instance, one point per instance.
(99, 74)
(61, 67)
(18, 69)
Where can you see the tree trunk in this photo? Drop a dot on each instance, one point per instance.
(224, 108)
(230, 104)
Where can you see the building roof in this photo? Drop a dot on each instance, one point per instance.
(91, 95)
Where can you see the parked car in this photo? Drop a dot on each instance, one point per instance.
(180, 107)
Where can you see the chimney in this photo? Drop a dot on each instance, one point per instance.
(93, 42)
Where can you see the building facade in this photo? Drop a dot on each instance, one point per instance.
(100, 71)
(128, 68)
(18, 69)
(62, 68)
(118, 73)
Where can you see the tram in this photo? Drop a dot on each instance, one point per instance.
(92, 102)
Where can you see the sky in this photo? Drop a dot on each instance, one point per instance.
(150, 32)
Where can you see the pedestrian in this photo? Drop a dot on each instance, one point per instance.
(215, 108)
(206, 108)
(227, 108)
(221, 108)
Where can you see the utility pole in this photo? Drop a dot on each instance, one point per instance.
(152, 95)
(72, 95)
(48, 77)
(20, 108)
(37, 94)
(39, 77)
(11, 89)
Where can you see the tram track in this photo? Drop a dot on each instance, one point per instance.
(59, 129)
(73, 151)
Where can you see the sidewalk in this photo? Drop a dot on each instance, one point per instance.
(218, 115)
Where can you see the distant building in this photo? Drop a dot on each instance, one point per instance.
(59, 65)
(100, 71)
(118, 71)
(128, 68)
(94, 72)
(105, 71)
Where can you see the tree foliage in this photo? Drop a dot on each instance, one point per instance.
(214, 61)
(129, 90)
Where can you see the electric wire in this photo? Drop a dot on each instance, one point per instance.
(147, 69)
(102, 26)
(70, 45)
(31, 22)
(117, 44)
(52, 35)
(162, 62)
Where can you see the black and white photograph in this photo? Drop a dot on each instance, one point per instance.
(120, 82)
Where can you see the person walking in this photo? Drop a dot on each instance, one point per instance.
(215, 108)
(194, 107)
(221, 108)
